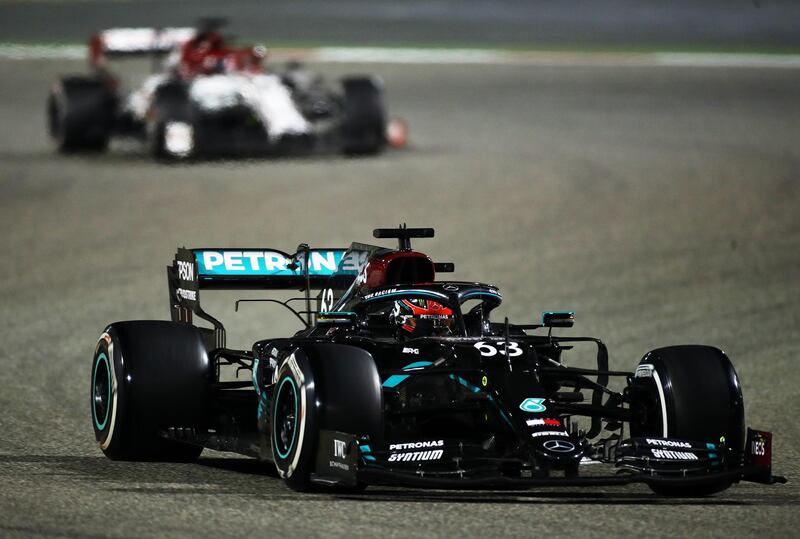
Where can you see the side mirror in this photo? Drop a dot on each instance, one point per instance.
(558, 319)
(337, 318)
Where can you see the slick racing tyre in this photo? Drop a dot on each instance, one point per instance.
(294, 426)
(80, 114)
(323, 386)
(364, 123)
(148, 377)
(170, 133)
(690, 392)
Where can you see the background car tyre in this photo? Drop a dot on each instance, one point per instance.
(170, 132)
(80, 114)
(148, 376)
(364, 124)
(690, 392)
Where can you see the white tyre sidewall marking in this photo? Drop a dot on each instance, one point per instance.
(110, 347)
(291, 364)
(660, 387)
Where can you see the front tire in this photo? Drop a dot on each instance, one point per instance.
(294, 428)
(170, 131)
(690, 392)
(148, 376)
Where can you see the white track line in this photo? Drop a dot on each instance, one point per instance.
(10, 51)
(367, 55)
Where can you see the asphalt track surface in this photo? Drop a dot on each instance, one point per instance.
(662, 204)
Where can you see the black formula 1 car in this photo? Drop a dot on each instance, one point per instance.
(399, 378)
(210, 99)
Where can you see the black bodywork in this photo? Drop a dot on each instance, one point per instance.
(482, 404)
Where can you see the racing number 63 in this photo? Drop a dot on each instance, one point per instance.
(512, 349)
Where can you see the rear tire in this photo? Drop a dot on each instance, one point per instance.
(80, 114)
(690, 392)
(148, 376)
(364, 124)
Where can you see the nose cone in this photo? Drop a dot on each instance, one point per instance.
(557, 450)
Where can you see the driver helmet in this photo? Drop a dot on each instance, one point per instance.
(412, 315)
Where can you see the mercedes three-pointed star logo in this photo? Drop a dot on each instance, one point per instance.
(559, 446)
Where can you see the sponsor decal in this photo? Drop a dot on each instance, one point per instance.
(409, 350)
(559, 446)
(190, 295)
(417, 445)
(548, 433)
(533, 405)
(758, 447)
(537, 422)
(339, 448)
(265, 263)
(450, 287)
(409, 292)
(644, 371)
(668, 443)
(380, 293)
(673, 455)
(484, 381)
(434, 454)
(185, 270)
(339, 452)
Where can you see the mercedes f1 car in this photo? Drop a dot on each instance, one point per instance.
(399, 378)
(210, 99)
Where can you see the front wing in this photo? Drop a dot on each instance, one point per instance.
(341, 462)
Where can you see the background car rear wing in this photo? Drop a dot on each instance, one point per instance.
(136, 41)
(247, 269)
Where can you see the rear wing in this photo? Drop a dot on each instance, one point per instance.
(194, 270)
(136, 41)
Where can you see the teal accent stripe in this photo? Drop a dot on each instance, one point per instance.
(474, 389)
(712, 455)
(365, 450)
(99, 425)
(395, 379)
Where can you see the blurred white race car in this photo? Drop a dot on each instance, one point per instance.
(211, 99)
